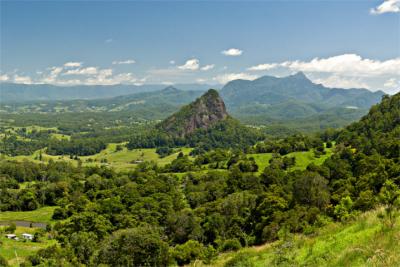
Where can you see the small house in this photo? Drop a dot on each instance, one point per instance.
(27, 236)
(11, 236)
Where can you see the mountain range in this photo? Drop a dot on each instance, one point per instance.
(17, 93)
(289, 102)
(293, 96)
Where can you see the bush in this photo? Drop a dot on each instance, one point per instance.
(11, 228)
(164, 151)
(231, 245)
(141, 246)
(185, 253)
(59, 214)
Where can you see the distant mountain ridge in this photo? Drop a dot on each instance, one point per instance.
(271, 90)
(292, 102)
(17, 93)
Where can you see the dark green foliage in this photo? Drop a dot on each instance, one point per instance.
(378, 131)
(3, 262)
(164, 151)
(141, 246)
(80, 147)
(225, 134)
(187, 252)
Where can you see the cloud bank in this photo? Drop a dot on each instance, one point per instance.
(347, 71)
(388, 6)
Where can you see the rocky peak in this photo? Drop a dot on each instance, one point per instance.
(200, 114)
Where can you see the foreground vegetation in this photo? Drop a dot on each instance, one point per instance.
(362, 241)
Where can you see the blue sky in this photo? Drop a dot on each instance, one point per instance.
(336, 43)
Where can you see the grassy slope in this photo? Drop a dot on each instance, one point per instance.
(120, 160)
(40, 215)
(362, 242)
(303, 159)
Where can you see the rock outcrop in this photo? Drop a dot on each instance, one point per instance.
(200, 114)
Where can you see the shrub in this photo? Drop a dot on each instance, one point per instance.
(231, 245)
(11, 228)
(185, 253)
(59, 214)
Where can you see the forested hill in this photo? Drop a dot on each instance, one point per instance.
(378, 131)
(272, 90)
(294, 98)
(203, 124)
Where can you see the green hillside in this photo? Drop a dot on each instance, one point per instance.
(364, 241)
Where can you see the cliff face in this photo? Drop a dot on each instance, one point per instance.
(200, 114)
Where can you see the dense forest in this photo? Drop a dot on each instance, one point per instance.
(151, 216)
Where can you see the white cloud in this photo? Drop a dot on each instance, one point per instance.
(337, 81)
(4, 78)
(83, 71)
(172, 62)
(201, 80)
(260, 67)
(208, 67)
(191, 64)
(345, 71)
(388, 6)
(109, 41)
(233, 52)
(347, 64)
(73, 64)
(227, 77)
(56, 70)
(128, 61)
(392, 83)
(22, 79)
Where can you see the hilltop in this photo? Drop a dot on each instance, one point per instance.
(203, 113)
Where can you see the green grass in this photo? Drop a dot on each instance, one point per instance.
(303, 159)
(10, 249)
(120, 160)
(40, 215)
(362, 242)
(60, 136)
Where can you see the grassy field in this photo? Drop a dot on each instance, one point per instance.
(15, 252)
(362, 242)
(40, 215)
(303, 159)
(120, 160)
(127, 159)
